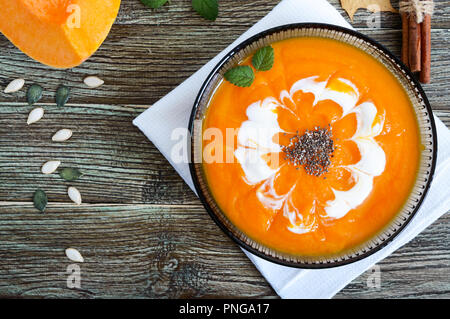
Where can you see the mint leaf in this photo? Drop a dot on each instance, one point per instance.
(263, 59)
(208, 9)
(241, 76)
(154, 4)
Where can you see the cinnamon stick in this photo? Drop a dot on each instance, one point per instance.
(425, 43)
(405, 39)
(414, 36)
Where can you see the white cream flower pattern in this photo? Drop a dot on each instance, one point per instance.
(256, 143)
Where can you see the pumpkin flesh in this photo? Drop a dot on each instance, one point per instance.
(58, 33)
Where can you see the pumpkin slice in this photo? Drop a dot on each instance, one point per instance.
(58, 33)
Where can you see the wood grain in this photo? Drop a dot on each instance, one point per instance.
(129, 251)
(246, 13)
(142, 231)
(139, 66)
(171, 252)
(119, 164)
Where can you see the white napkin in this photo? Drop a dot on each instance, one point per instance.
(173, 111)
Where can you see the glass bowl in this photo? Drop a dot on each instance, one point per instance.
(404, 76)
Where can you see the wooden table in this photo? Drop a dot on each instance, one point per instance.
(141, 230)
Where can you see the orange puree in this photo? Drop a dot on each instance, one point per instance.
(372, 169)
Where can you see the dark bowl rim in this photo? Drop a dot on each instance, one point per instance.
(263, 34)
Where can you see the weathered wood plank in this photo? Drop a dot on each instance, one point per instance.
(173, 251)
(413, 271)
(247, 13)
(120, 165)
(129, 251)
(141, 64)
(139, 250)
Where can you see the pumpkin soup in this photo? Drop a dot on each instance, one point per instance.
(318, 154)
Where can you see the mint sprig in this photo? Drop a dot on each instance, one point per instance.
(154, 4)
(241, 76)
(263, 59)
(208, 9)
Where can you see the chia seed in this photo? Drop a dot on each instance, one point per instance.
(312, 150)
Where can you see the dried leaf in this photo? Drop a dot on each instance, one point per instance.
(351, 6)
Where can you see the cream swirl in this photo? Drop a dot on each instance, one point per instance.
(256, 139)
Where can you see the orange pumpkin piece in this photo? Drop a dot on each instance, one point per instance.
(58, 33)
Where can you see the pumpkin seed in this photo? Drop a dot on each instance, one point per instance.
(40, 200)
(74, 195)
(50, 167)
(93, 81)
(35, 115)
(74, 255)
(15, 86)
(34, 94)
(70, 174)
(62, 135)
(62, 95)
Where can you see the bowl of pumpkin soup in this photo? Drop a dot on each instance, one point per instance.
(323, 157)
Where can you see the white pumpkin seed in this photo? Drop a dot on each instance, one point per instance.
(93, 81)
(50, 167)
(14, 86)
(74, 255)
(35, 115)
(62, 135)
(74, 195)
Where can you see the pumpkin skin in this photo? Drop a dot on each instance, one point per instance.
(58, 33)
